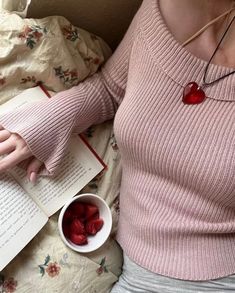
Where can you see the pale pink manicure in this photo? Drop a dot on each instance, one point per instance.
(33, 177)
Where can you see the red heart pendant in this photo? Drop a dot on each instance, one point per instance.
(193, 94)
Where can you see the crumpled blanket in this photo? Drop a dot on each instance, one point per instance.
(53, 52)
(19, 7)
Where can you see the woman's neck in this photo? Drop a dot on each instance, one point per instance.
(185, 17)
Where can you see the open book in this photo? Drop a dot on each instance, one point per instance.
(24, 207)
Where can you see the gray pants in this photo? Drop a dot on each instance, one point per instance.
(135, 279)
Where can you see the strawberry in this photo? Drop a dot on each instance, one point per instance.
(78, 209)
(94, 217)
(98, 224)
(66, 230)
(68, 216)
(90, 228)
(93, 226)
(77, 227)
(90, 210)
(78, 239)
(79, 220)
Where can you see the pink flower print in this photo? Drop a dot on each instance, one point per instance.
(32, 35)
(96, 61)
(53, 269)
(37, 35)
(113, 142)
(10, 285)
(70, 32)
(27, 30)
(102, 268)
(73, 74)
(31, 79)
(99, 271)
(68, 77)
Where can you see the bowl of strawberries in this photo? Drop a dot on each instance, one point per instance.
(85, 222)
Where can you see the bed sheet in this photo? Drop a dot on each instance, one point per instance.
(53, 52)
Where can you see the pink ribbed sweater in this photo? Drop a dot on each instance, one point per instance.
(177, 200)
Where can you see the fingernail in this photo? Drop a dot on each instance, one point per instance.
(33, 177)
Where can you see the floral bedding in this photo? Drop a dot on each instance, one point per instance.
(53, 52)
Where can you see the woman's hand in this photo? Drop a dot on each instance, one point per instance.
(14, 150)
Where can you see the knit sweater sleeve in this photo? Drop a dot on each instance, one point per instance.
(47, 126)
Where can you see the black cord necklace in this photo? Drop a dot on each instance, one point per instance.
(193, 93)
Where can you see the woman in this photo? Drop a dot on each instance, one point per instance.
(174, 105)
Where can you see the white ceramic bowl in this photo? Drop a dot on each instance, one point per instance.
(94, 242)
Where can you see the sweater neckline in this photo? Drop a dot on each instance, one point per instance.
(180, 64)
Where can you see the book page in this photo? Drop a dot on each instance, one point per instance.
(78, 168)
(20, 219)
(28, 96)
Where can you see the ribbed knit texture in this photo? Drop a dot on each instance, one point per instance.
(177, 201)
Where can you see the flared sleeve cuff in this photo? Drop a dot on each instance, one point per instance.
(46, 127)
